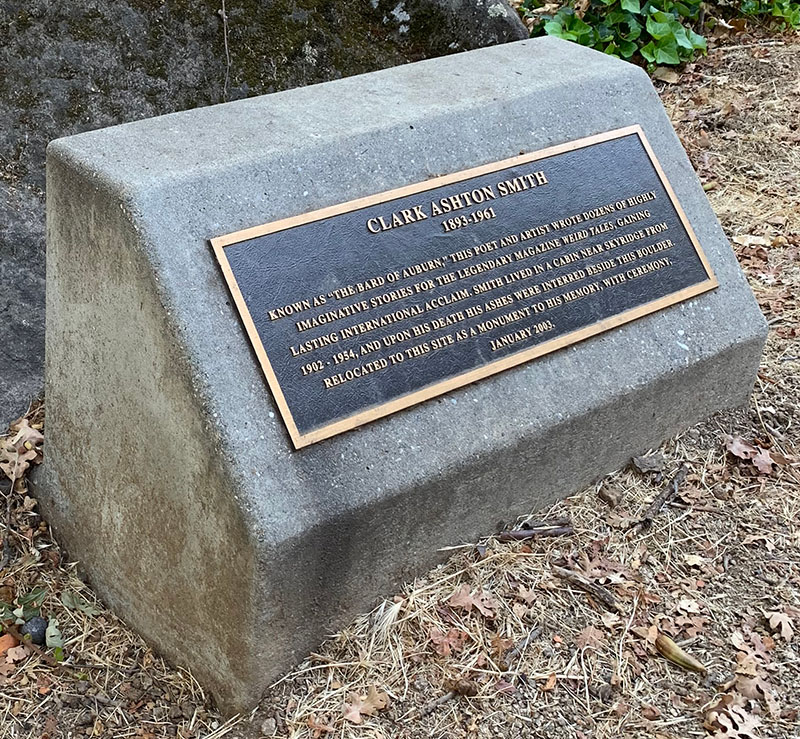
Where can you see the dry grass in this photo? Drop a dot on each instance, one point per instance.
(544, 658)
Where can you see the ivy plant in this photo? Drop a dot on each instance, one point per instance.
(659, 31)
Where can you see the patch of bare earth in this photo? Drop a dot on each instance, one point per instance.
(538, 636)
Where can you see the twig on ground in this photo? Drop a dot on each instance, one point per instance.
(667, 494)
(434, 704)
(522, 534)
(14, 631)
(749, 46)
(522, 645)
(605, 596)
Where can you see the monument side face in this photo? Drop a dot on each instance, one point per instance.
(169, 470)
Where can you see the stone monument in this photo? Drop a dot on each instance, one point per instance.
(297, 343)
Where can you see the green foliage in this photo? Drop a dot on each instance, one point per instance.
(784, 13)
(659, 31)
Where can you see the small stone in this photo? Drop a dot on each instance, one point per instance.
(649, 463)
(84, 718)
(35, 628)
(269, 727)
(612, 496)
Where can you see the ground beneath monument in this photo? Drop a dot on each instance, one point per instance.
(508, 639)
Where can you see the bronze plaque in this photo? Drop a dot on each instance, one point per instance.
(361, 309)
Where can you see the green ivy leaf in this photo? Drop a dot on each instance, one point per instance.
(657, 29)
(34, 597)
(680, 36)
(667, 53)
(554, 28)
(697, 41)
(648, 51)
(632, 6)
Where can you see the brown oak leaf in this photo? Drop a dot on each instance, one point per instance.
(737, 446)
(317, 728)
(17, 654)
(763, 461)
(481, 599)
(590, 638)
(359, 706)
(731, 721)
(17, 453)
(780, 621)
(446, 644)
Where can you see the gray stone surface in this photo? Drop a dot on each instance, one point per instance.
(168, 472)
(68, 67)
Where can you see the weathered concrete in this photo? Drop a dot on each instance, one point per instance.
(168, 472)
(69, 67)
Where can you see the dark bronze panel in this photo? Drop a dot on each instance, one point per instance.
(365, 308)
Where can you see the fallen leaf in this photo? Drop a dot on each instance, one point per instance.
(17, 453)
(750, 240)
(43, 684)
(763, 461)
(758, 689)
(687, 605)
(446, 644)
(17, 654)
(611, 496)
(501, 686)
(611, 620)
(481, 599)
(590, 638)
(730, 721)
(317, 729)
(500, 645)
(527, 595)
(76, 602)
(779, 621)
(550, 683)
(364, 706)
(665, 74)
(7, 641)
(53, 636)
(462, 598)
(651, 713)
(755, 538)
(737, 446)
(694, 560)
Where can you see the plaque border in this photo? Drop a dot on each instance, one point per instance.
(360, 418)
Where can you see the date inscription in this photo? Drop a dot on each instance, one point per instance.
(362, 309)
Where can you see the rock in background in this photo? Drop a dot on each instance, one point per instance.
(77, 66)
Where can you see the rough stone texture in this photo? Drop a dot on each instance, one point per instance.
(68, 67)
(168, 472)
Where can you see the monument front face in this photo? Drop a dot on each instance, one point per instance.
(413, 265)
(362, 309)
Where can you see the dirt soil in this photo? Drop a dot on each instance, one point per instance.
(560, 636)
